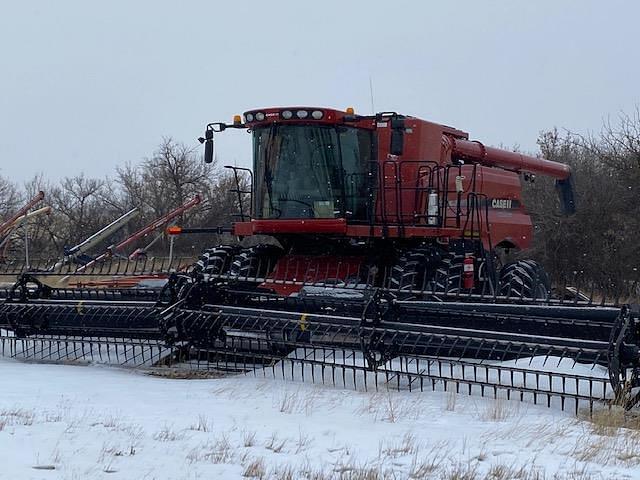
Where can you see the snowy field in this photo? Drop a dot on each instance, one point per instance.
(98, 422)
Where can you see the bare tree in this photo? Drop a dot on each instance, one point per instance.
(599, 244)
(80, 208)
(9, 197)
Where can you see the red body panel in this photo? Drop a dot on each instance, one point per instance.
(270, 227)
(292, 271)
(433, 155)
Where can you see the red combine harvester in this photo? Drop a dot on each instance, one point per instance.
(386, 200)
(368, 252)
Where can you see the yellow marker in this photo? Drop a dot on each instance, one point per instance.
(79, 307)
(303, 322)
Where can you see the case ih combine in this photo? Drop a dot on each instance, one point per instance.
(371, 250)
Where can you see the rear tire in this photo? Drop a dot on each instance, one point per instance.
(448, 277)
(524, 279)
(414, 270)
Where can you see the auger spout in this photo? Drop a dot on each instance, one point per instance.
(494, 157)
(475, 151)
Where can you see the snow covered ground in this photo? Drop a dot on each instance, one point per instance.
(99, 422)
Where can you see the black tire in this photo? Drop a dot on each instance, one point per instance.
(524, 279)
(413, 271)
(255, 262)
(215, 261)
(448, 277)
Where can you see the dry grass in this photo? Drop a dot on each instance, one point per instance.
(498, 410)
(352, 471)
(167, 434)
(16, 417)
(303, 443)
(220, 451)
(391, 407)
(275, 444)
(406, 446)
(612, 438)
(460, 471)
(289, 402)
(255, 469)
(512, 472)
(620, 450)
(53, 417)
(286, 472)
(111, 421)
(109, 451)
(292, 402)
(608, 420)
(248, 439)
(426, 464)
(183, 374)
(56, 455)
(202, 424)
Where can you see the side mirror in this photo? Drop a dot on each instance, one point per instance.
(208, 151)
(208, 146)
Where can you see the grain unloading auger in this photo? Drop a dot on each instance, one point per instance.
(383, 266)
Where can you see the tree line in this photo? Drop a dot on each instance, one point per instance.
(599, 245)
(82, 205)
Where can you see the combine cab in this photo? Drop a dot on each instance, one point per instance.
(369, 249)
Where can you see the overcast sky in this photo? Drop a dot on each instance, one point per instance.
(85, 86)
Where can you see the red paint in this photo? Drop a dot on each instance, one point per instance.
(494, 157)
(311, 225)
(292, 271)
(429, 150)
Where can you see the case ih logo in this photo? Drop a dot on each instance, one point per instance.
(501, 203)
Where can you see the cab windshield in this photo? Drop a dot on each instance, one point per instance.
(311, 171)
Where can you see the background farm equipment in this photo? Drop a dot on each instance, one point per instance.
(108, 269)
(9, 228)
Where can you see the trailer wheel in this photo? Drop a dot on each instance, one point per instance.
(524, 279)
